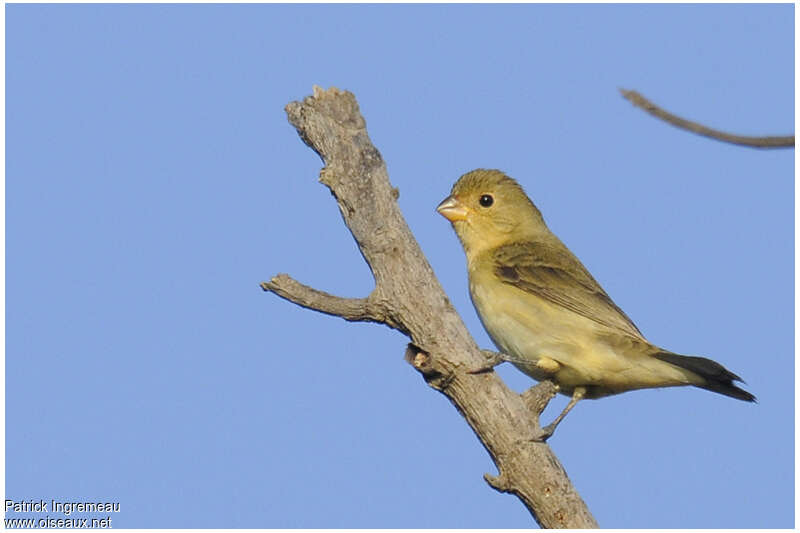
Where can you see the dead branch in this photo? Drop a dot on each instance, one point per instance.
(408, 297)
(640, 101)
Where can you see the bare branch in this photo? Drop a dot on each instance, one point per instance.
(640, 101)
(537, 398)
(370, 309)
(409, 298)
(352, 309)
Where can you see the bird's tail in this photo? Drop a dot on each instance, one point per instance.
(717, 377)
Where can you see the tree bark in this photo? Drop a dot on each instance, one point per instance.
(408, 297)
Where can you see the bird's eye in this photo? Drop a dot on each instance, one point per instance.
(486, 200)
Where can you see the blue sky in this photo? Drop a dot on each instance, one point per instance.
(152, 181)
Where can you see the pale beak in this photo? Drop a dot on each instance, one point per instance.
(452, 209)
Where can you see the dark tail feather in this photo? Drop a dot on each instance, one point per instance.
(718, 378)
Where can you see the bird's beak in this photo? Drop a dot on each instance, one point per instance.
(452, 209)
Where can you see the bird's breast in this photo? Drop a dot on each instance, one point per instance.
(524, 325)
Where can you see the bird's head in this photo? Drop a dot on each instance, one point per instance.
(488, 209)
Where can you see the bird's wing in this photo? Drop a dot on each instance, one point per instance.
(550, 271)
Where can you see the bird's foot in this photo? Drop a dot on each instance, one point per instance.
(492, 360)
(550, 428)
(545, 433)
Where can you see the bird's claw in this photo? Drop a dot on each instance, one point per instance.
(550, 428)
(492, 360)
(546, 433)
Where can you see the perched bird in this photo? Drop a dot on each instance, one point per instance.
(546, 313)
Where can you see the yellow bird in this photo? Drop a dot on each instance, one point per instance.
(546, 313)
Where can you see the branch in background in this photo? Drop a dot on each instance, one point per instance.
(755, 142)
(408, 297)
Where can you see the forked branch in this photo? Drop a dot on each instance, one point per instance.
(409, 298)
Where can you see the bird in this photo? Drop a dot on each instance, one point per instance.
(546, 313)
